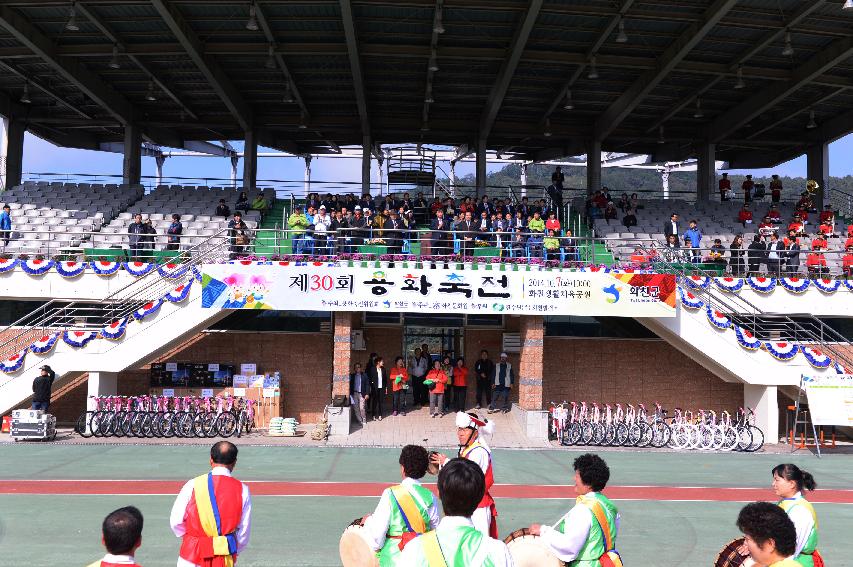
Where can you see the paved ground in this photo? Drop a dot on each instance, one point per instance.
(308, 495)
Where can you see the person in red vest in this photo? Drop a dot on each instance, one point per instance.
(121, 536)
(847, 262)
(747, 187)
(213, 513)
(725, 185)
(473, 447)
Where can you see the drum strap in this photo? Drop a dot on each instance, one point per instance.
(432, 550)
(408, 509)
(611, 557)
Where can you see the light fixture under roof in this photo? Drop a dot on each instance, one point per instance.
(428, 98)
(593, 70)
(621, 37)
(302, 122)
(789, 48)
(25, 95)
(71, 24)
(288, 93)
(569, 104)
(433, 63)
(114, 62)
(661, 139)
(848, 5)
(698, 112)
(740, 84)
(252, 24)
(438, 27)
(812, 124)
(425, 126)
(547, 132)
(150, 96)
(270, 62)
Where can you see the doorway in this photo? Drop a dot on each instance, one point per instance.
(440, 340)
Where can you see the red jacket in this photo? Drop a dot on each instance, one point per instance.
(197, 546)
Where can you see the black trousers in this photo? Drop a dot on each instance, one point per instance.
(460, 393)
(484, 392)
(419, 391)
(376, 396)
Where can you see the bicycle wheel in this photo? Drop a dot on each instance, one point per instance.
(226, 424)
(646, 434)
(96, 423)
(660, 434)
(621, 436)
(587, 432)
(576, 433)
(730, 439)
(757, 439)
(635, 433)
(184, 424)
(166, 423)
(680, 438)
(609, 435)
(209, 424)
(82, 427)
(241, 424)
(744, 436)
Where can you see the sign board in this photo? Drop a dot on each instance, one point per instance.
(830, 399)
(269, 392)
(169, 392)
(207, 393)
(248, 368)
(328, 287)
(240, 381)
(239, 392)
(213, 367)
(171, 367)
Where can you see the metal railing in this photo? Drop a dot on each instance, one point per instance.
(59, 315)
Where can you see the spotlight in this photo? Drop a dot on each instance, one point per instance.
(661, 139)
(569, 104)
(114, 62)
(149, 96)
(302, 124)
(547, 132)
(698, 113)
(25, 95)
(789, 49)
(270, 63)
(621, 37)
(252, 24)
(740, 84)
(288, 93)
(71, 25)
(848, 5)
(812, 124)
(593, 70)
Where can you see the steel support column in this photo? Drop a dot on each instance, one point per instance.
(524, 180)
(250, 160)
(817, 168)
(366, 145)
(11, 153)
(160, 160)
(705, 173)
(132, 164)
(593, 167)
(307, 175)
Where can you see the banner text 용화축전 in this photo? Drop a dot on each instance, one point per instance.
(339, 288)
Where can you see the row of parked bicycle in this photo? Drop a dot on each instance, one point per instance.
(615, 425)
(161, 416)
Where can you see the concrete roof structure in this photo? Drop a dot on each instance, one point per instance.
(540, 79)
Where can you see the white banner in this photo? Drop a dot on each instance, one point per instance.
(830, 399)
(324, 287)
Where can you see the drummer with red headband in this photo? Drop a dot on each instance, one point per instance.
(469, 430)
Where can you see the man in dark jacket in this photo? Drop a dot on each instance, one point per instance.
(41, 388)
(393, 235)
(135, 240)
(756, 254)
(792, 255)
(440, 228)
(485, 369)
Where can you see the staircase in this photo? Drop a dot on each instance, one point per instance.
(142, 342)
(268, 240)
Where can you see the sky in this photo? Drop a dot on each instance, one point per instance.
(43, 157)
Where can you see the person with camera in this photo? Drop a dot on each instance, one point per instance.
(42, 386)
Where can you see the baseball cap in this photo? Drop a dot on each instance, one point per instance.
(322, 207)
(504, 355)
(358, 207)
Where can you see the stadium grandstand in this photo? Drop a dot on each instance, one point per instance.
(174, 308)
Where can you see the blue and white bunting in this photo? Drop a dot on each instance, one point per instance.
(761, 284)
(13, 363)
(148, 309)
(172, 271)
(45, 344)
(180, 293)
(816, 357)
(729, 284)
(78, 339)
(782, 350)
(138, 269)
(746, 339)
(689, 300)
(717, 319)
(105, 267)
(70, 269)
(115, 330)
(698, 282)
(795, 285)
(37, 266)
(827, 285)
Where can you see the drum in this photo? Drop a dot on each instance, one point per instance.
(354, 549)
(731, 557)
(432, 468)
(527, 550)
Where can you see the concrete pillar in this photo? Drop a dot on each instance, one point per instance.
(452, 179)
(593, 167)
(531, 362)
(766, 405)
(160, 160)
(308, 159)
(524, 180)
(817, 168)
(705, 174)
(101, 384)
(365, 165)
(11, 153)
(342, 355)
(250, 160)
(664, 181)
(235, 160)
(132, 164)
(481, 167)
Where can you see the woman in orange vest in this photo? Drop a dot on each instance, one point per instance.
(399, 377)
(435, 380)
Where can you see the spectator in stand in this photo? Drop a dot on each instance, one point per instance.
(42, 386)
(825, 230)
(518, 244)
(635, 202)
(640, 257)
(174, 233)
(847, 263)
(378, 223)
(460, 384)
(775, 255)
(610, 212)
(421, 208)
(797, 225)
(736, 250)
(605, 193)
(322, 224)
(558, 178)
(484, 368)
(535, 244)
(849, 241)
(804, 214)
(135, 230)
(340, 234)
(242, 203)
(747, 187)
(756, 254)
(359, 389)
(436, 381)
(222, 210)
(630, 219)
(715, 256)
(816, 263)
(436, 206)
(147, 238)
(671, 228)
(259, 203)
(536, 224)
(694, 236)
(775, 189)
(569, 247)
(393, 233)
(440, 228)
(484, 223)
(725, 187)
(378, 386)
(551, 245)
(310, 213)
(774, 215)
(828, 215)
(418, 368)
(298, 223)
(819, 241)
(313, 201)
(360, 231)
(520, 220)
(745, 215)
(792, 254)
(806, 202)
(238, 234)
(624, 204)
(524, 208)
(553, 222)
(399, 378)
(6, 224)
(465, 231)
(688, 253)
(121, 534)
(503, 381)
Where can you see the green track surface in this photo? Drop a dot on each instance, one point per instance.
(51, 530)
